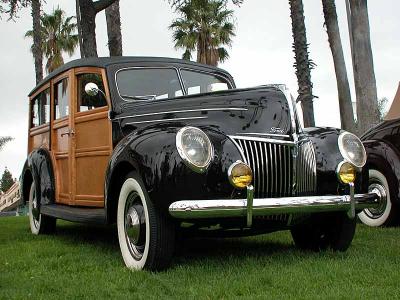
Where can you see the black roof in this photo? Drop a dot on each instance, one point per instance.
(103, 62)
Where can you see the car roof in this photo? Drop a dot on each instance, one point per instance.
(103, 62)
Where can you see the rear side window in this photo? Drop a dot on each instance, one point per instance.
(86, 102)
(148, 84)
(197, 82)
(61, 95)
(41, 108)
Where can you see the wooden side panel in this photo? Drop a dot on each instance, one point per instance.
(92, 153)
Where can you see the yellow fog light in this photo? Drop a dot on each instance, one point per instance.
(240, 175)
(346, 172)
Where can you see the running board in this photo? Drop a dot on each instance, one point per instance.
(75, 214)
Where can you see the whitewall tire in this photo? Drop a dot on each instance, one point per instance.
(384, 213)
(39, 223)
(146, 237)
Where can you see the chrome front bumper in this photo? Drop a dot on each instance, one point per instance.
(200, 209)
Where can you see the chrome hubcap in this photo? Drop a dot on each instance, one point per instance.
(380, 190)
(135, 225)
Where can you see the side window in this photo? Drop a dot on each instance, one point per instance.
(61, 96)
(148, 84)
(41, 108)
(86, 102)
(196, 82)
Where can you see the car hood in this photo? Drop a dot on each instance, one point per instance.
(233, 112)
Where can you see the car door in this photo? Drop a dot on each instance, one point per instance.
(92, 139)
(61, 137)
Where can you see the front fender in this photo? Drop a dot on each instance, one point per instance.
(328, 156)
(152, 153)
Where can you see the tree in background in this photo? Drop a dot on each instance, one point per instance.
(11, 7)
(4, 140)
(382, 107)
(58, 36)
(332, 28)
(363, 65)
(179, 3)
(86, 17)
(204, 26)
(6, 181)
(113, 19)
(302, 64)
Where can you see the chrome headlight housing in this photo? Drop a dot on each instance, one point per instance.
(195, 148)
(352, 149)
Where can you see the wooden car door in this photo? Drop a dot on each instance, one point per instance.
(92, 139)
(61, 137)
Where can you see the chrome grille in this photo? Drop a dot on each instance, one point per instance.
(280, 168)
(305, 169)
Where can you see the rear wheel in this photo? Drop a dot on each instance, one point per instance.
(385, 213)
(146, 235)
(39, 223)
(323, 231)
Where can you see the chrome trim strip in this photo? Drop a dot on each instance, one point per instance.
(265, 134)
(183, 111)
(165, 120)
(258, 139)
(198, 209)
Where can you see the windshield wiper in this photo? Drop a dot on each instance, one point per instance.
(146, 97)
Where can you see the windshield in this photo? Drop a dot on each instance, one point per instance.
(145, 84)
(196, 83)
(148, 84)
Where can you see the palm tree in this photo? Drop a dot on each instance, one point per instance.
(113, 20)
(332, 28)
(302, 64)
(58, 35)
(86, 16)
(363, 64)
(204, 26)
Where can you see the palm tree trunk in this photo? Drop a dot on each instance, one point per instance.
(332, 28)
(88, 28)
(37, 40)
(78, 23)
(89, 9)
(114, 29)
(364, 75)
(302, 63)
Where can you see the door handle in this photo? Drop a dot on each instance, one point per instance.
(69, 133)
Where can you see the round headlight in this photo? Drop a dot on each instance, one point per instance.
(346, 172)
(195, 148)
(352, 149)
(240, 175)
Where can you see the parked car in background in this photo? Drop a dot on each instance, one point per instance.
(382, 144)
(160, 146)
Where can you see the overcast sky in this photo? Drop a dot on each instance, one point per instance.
(261, 53)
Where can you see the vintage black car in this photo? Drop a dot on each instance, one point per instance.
(163, 147)
(382, 144)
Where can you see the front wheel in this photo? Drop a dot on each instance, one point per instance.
(323, 231)
(385, 213)
(146, 236)
(40, 224)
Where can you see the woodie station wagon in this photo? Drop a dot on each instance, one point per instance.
(164, 146)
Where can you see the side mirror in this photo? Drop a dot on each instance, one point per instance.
(91, 89)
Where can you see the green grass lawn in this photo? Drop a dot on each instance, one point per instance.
(84, 262)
